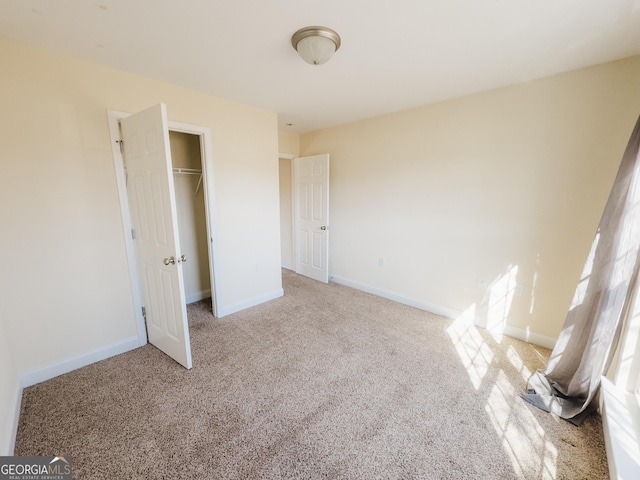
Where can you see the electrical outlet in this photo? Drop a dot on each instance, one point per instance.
(381, 262)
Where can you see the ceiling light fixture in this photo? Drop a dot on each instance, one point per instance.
(316, 45)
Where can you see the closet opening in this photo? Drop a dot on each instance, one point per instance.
(186, 156)
(191, 175)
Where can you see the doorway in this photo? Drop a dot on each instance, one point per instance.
(286, 211)
(304, 215)
(186, 157)
(193, 165)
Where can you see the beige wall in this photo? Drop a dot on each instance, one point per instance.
(289, 143)
(505, 186)
(64, 277)
(192, 225)
(185, 150)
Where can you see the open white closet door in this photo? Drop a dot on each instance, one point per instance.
(147, 155)
(311, 216)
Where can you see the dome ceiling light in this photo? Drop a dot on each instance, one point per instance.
(316, 45)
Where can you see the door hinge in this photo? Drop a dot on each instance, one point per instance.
(144, 313)
(133, 234)
(121, 143)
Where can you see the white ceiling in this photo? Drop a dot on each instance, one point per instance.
(394, 55)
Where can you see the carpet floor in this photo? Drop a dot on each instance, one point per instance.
(325, 382)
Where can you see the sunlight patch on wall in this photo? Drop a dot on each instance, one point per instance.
(500, 298)
(534, 284)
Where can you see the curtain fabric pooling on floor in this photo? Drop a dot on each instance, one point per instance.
(570, 384)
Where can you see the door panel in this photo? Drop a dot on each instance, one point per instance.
(311, 216)
(153, 215)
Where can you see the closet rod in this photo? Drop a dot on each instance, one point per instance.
(181, 171)
(187, 171)
(190, 171)
(184, 171)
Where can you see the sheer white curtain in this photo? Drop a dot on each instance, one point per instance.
(570, 383)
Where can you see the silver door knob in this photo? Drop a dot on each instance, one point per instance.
(324, 227)
(170, 261)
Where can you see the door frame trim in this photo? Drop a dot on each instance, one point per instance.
(289, 157)
(206, 154)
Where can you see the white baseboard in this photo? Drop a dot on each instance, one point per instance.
(509, 330)
(252, 302)
(396, 297)
(288, 266)
(197, 296)
(13, 423)
(53, 370)
(518, 333)
(529, 337)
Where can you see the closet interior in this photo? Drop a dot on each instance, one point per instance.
(188, 185)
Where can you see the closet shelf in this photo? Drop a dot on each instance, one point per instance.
(184, 171)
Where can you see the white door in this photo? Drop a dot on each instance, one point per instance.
(311, 216)
(152, 203)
